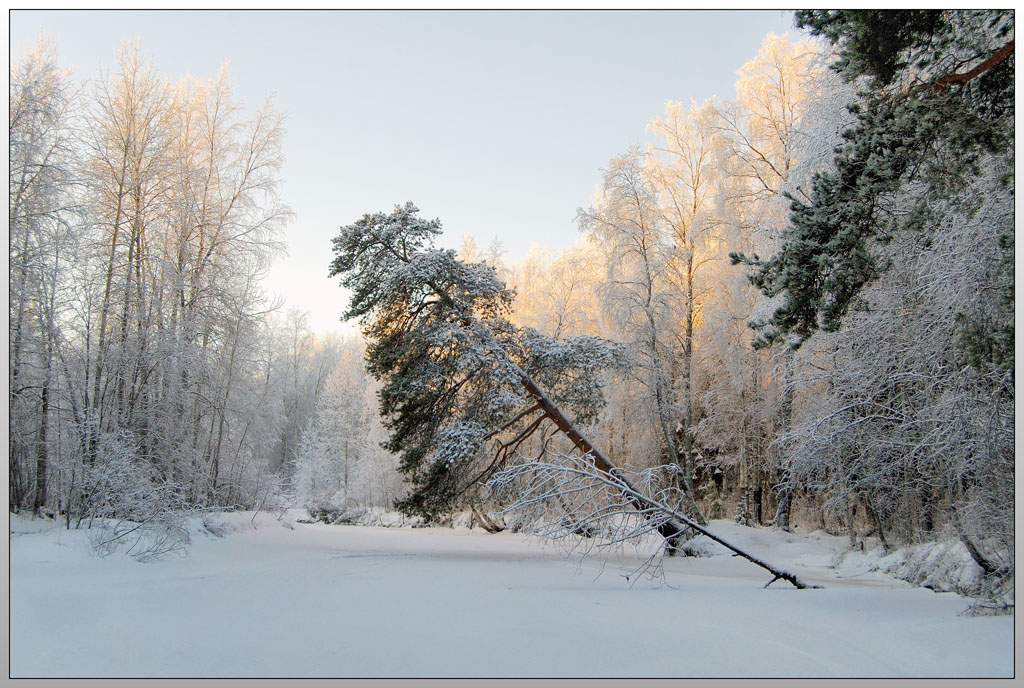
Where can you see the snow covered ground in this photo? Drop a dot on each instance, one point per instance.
(286, 599)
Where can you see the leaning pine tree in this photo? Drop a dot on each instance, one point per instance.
(462, 388)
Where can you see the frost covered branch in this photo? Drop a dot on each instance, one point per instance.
(571, 498)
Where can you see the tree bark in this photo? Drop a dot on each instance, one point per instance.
(785, 503)
(39, 500)
(785, 496)
(670, 531)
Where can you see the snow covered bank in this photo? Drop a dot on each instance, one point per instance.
(280, 598)
(941, 566)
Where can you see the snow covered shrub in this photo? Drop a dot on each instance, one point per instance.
(125, 502)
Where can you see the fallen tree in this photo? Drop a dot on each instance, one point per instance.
(464, 391)
(608, 504)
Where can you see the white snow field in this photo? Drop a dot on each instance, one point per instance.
(285, 599)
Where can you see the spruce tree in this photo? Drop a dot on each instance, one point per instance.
(938, 98)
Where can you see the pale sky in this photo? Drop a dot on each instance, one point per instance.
(496, 122)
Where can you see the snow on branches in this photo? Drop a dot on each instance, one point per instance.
(585, 508)
(455, 372)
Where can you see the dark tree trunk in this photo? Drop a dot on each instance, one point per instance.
(39, 500)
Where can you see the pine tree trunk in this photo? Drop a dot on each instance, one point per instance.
(670, 531)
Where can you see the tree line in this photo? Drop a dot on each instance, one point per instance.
(149, 372)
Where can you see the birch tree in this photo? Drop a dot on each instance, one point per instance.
(746, 404)
(641, 294)
(683, 170)
(139, 238)
(42, 222)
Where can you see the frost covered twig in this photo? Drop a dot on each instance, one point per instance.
(605, 507)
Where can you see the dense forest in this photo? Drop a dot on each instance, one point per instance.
(800, 301)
